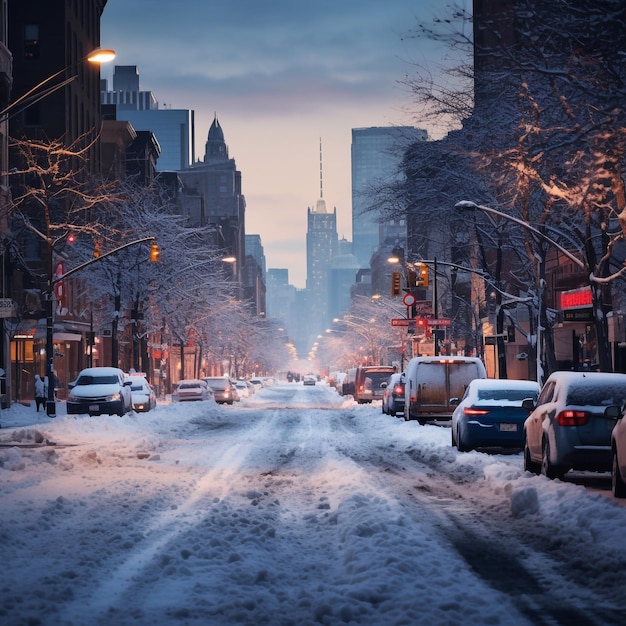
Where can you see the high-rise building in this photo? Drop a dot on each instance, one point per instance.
(376, 154)
(174, 129)
(217, 182)
(321, 247)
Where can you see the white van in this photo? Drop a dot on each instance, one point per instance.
(431, 381)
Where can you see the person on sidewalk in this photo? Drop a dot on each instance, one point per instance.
(41, 393)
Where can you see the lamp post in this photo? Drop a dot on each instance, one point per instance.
(44, 88)
(40, 91)
(49, 300)
(467, 205)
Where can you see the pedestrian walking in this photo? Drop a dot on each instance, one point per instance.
(41, 392)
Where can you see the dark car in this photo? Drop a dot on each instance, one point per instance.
(490, 414)
(569, 427)
(393, 395)
(98, 391)
(369, 381)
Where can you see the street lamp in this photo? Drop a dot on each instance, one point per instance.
(467, 205)
(41, 90)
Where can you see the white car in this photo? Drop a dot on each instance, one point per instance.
(309, 379)
(144, 398)
(242, 388)
(98, 391)
(191, 389)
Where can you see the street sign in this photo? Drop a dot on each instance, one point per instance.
(399, 321)
(409, 299)
(7, 307)
(438, 321)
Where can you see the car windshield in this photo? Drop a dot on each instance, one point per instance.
(189, 386)
(597, 395)
(86, 379)
(136, 387)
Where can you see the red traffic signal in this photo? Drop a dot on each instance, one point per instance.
(421, 322)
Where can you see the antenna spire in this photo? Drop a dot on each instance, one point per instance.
(321, 172)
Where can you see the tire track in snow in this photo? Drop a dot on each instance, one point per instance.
(213, 486)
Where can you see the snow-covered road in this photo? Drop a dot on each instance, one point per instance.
(295, 506)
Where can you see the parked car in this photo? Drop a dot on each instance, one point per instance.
(234, 392)
(309, 379)
(98, 391)
(242, 389)
(569, 427)
(192, 389)
(257, 382)
(222, 389)
(618, 450)
(490, 414)
(430, 382)
(142, 394)
(347, 386)
(393, 395)
(369, 381)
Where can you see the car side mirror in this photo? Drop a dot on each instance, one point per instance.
(128, 383)
(454, 401)
(613, 412)
(529, 404)
(383, 385)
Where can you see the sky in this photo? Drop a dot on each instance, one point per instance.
(330, 513)
(280, 75)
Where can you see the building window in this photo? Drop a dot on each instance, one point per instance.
(31, 42)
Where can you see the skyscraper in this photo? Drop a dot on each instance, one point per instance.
(173, 128)
(376, 154)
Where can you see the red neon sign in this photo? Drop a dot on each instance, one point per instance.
(576, 298)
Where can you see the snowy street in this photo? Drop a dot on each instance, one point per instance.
(292, 507)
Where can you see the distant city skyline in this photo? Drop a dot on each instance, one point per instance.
(279, 78)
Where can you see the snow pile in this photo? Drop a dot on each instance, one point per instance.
(295, 506)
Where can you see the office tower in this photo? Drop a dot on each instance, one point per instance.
(376, 155)
(173, 128)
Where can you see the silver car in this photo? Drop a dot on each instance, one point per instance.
(618, 451)
(569, 427)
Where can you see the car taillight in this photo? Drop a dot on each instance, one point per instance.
(470, 411)
(398, 390)
(572, 418)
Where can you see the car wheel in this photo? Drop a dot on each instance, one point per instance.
(461, 444)
(392, 413)
(618, 485)
(529, 464)
(453, 438)
(547, 469)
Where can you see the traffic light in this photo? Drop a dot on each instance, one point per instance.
(155, 253)
(420, 322)
(96, 250)
(396, 284)
(71, 238)
(422, 275)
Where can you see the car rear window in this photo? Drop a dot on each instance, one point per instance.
(515, 395)
(599, 394)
